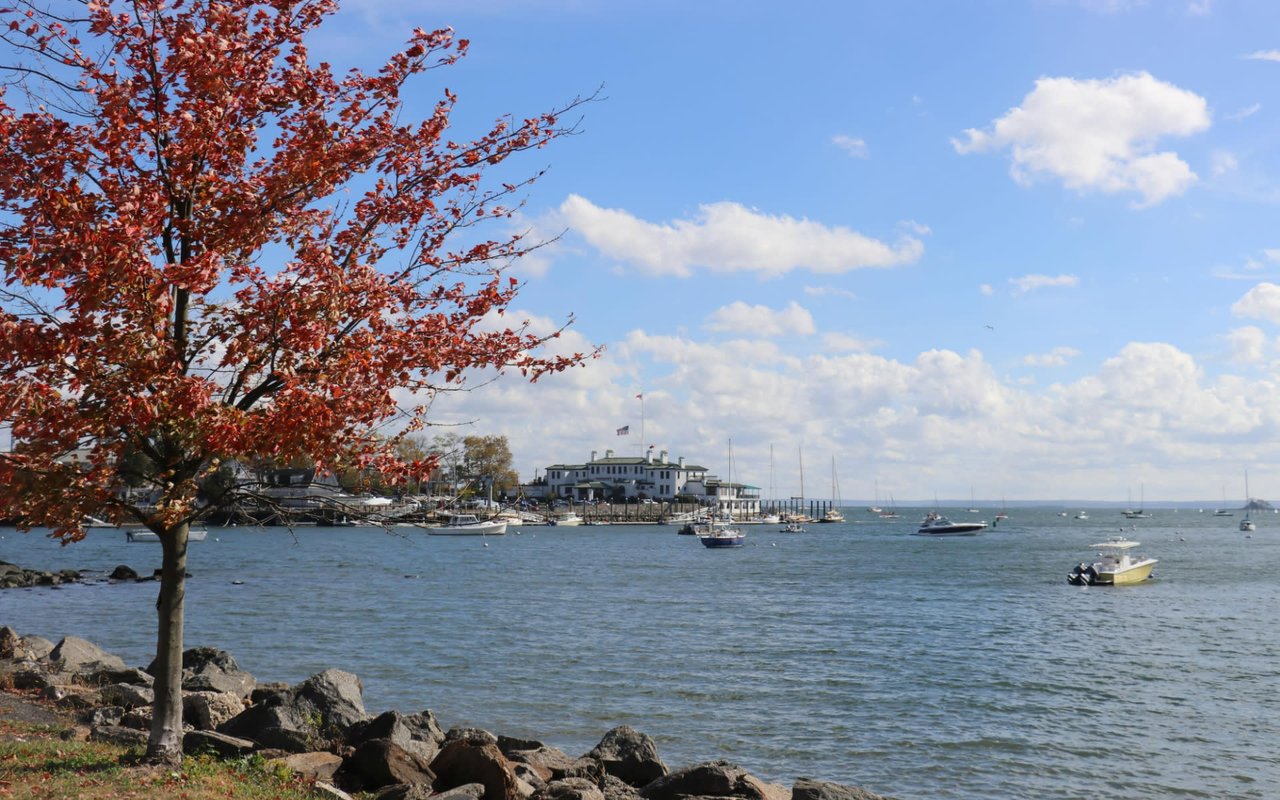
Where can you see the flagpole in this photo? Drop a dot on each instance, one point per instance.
(640, 397)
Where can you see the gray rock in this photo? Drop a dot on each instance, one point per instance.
(406, 791)
(461, 762)
(107, 715)
(470, 736)
(467, 791)
(207, 669)
(553, 764)
(615, 789)
(570, 789)
(123, 572)
(205, 711)
(629, 755)
(418, 733)
(10, 641)
(308, 717)
(317, 766)
(127, 696)
(130, 675)
(74, 654)
(712, 779)
(139, 718)
(809, 789)
(115, 734)
(35, 648)
(218, 743)
(381, 762)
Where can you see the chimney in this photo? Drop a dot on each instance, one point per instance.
(608, 454)
(593, 455)
(681, 462)
(663, 457)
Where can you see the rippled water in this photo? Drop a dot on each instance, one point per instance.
(915, 667)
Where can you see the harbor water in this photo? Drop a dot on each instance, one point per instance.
(916, 667)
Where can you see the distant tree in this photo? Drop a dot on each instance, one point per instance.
(488, 463)
(187, 280)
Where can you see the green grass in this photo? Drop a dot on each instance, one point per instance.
(36, 763)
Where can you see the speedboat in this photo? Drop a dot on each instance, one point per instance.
(1082, 515)
(792, 527)
(1115, 565)
(141, 534)
(565, 520)
(469, 525)
(935, 524)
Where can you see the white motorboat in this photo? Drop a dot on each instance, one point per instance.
(141, 534)
(563, 520)
(935, 524)
(792, 527)
(1082, 515)
(1115, 566)
(469, 525)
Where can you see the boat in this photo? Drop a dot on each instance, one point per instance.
(1002, 516)
(721, 533)
(1247, 524)
(1082, 515)
(1224, 511)
(833, 514)
(141, 534)
(1115, 566)
(891, 512)
(469, 525)
(792, 527)
(1140, 513)
(935, 524)
(565, 520)
(973, 507)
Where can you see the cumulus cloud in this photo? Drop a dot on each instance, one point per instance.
(729, 237)
(847, 343)
(1057, 357)
(738, 317)
(987, 289)
(1264, 55)
(1098, 135)
(1030, 283)
(1248, 345)
(826, 291)
(850, 144)
(1260, 302)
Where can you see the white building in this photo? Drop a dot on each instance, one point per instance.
(618, 478)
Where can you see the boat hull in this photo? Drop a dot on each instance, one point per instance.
(483, 529)
(722, 541)
(958, 529)
(1136, 573)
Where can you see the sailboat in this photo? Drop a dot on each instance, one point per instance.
(891, 512)
(770, 518)
(799, 516)
(973, 507)
(1247, 524)
(720, 531)
(833, 514)
(1142, 502)
(875, 508)
(1002, 515)
(1224, 511)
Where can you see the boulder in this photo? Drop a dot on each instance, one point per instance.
(462, 762)
(382, 762)
(307, 717)
(711, 779)
(470, 736)
(317, 766)
(217, 743)
(630, 756)
(130, 675)
(205, 711)
(615, 789)
(407, 791)
(809, 789)
(570, 789)
(74, 654)
(139, 718)
(107, 715)
(127, 696)
(416, 733)
(265, 691)
(553, 764)
(115, 734)
(35, 648)
(123, 573)
(10, 641)
(207, 669)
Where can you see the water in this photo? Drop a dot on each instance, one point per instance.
(914, 667)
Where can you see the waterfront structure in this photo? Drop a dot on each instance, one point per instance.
(615, 478)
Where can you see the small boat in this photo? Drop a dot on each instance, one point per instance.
(1082, 515)
(935, 524)
(721, 534)
(792, 527)
(1247, 524)
(469, 525)
(832, 515)
(565, 520)
(1115, 566)
(141, 534)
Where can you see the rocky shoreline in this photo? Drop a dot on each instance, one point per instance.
(13, 576)
(320, 730)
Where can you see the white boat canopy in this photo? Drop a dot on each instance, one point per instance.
(1117, 544)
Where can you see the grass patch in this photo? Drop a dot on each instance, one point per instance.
(36, 763)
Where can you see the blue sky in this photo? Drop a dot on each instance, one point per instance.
(1027, 247)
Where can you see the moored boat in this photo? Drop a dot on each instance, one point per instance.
(721, 534)
(469, 525)
(1115, 566)
(935, 524)
(141, 534)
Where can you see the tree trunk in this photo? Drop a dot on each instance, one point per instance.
(165, 745)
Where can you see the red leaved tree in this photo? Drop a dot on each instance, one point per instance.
(215, 249)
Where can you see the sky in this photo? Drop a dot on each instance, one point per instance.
(1020, 249)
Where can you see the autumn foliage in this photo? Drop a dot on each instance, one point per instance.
(216, 248)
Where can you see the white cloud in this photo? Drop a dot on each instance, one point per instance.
(853, 146)
(1223, 162)
(1248, 345)
(1098, 135)
(1057, 357)
(729, 237)
(1260, 302)
(738, 317)
(1264, 55)
(1111, 6)
(1246, 112)
(829, 291)
(1030, 283)
(847, 343)
(987, 289)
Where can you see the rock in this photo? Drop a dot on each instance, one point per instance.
(570, 789)
(116, 734)
(470, 736)
(207, 669)
(35, 678)
(35, 648)
(318, 711)
(266, 691)
(127, 696)
(553, 764)
(139, 718)
(10, 641)
(467, 791)
(130, 675)
(76, 733)
(74, 654)
(809, 789)
(408, 791)
(615, 789)
(205, 711)
(711, 779)
(417, 733)
(461, 762)
(316, 766)
(329, 790)
(382, 762)
(123, 573)
(107, 715)
(218, 743)
(629, 755)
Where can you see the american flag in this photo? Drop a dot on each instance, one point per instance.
(624, 430)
